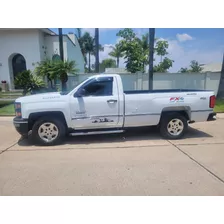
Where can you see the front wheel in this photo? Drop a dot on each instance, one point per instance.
(173, 126)
(48, 131)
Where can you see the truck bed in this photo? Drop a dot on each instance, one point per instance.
(164, 91)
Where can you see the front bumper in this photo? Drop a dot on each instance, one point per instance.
(21, 125)
(211, 117)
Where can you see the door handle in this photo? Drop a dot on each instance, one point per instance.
(111, 101)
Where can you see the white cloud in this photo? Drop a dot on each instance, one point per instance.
(182, 57)
(184, 37)
(140, 31)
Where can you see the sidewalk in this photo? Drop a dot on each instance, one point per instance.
(220, 115)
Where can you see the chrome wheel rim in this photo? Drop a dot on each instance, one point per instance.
(175, 127)
(48, 132)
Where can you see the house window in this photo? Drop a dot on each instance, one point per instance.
(56, 57)
(18, 65)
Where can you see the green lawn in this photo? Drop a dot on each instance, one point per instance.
(10, 95)
(219, 107)
(5, 102)
(7, 110)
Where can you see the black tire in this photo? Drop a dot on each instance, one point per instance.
(24, 136)
(165, 121)
(59, 126)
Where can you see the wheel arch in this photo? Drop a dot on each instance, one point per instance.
(33, 117)
(183, 110)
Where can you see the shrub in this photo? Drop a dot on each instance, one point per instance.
(28, 82)
(56, 70)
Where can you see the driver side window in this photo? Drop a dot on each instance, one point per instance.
(100, 87)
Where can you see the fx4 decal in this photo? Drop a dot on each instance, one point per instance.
(176, 99)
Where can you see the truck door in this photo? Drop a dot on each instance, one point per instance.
(95, 104)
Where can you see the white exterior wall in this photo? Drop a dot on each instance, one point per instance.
(72, 52)
(19, 41)
(207, 81)
(42, 45)
(75, 53)
(52, 43)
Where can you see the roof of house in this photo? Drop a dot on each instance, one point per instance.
(48, 31)
(45, 30)
(116, 70)
(212, 67)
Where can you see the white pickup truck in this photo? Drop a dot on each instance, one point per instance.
(99, 106)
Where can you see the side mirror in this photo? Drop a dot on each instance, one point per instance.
(80, 93)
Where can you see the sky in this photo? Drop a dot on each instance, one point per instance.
(206, 45)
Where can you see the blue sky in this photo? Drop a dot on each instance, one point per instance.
(203, 45)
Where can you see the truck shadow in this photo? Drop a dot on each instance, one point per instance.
(140, 134)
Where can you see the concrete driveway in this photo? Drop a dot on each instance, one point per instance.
(133, 163)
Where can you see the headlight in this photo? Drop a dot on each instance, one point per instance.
(18, 110)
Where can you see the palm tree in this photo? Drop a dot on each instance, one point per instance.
(87, 43)
(44, 69)
(117, 53)
(79, 33)
(63, 68)
(81, 41)
(56, 70)
(88, 47)
(101, 48)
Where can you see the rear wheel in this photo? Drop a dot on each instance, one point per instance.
(48, 131)
(173, 126)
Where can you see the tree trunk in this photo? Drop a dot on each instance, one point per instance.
(161, 58)
(51, 83)
(64, 86)
(117, 62)
(64, 79)
(89, 62)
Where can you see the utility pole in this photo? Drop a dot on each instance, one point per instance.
(61, 50)
(151, 54)
(97, 50)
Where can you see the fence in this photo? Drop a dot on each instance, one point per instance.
(206, 81)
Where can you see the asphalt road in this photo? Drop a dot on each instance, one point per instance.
(133, 163)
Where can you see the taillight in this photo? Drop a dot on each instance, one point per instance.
(212, 101)
(18, 110)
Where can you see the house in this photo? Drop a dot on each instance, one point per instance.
(212, 67)
(116, 70)
(216, 67)
(21, 49)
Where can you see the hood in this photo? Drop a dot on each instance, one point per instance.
(54, 96)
